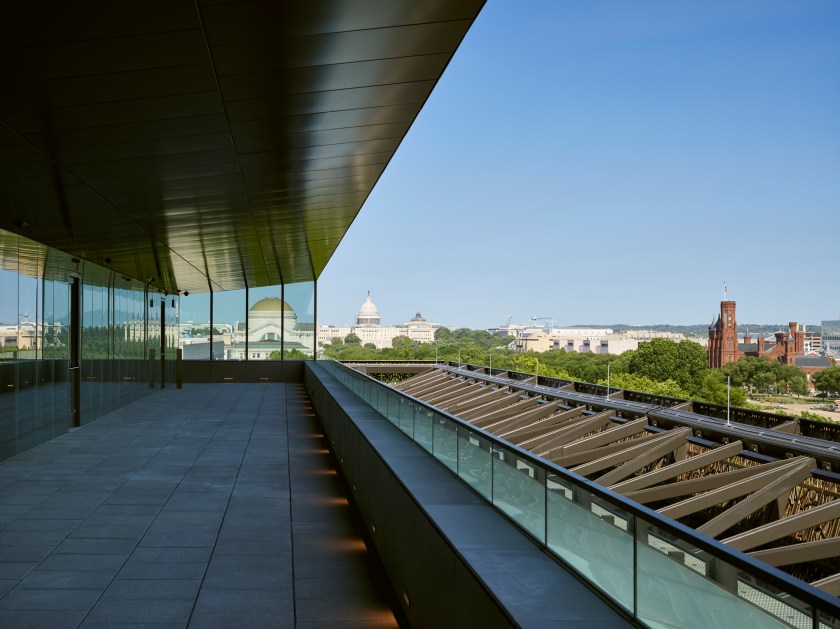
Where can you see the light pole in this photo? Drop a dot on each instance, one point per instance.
(459, 359)
(491, 362)
(608, 379)
(537, 380)
(728, 399)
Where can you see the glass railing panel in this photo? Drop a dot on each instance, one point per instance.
(406, 414)
(380, 397)
(391, 402)
(474, 464)
(519, 491)
(594, 538)
(678, 585)
(423, 428)
(445, 441)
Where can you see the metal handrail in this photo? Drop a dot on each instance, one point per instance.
(821, 601)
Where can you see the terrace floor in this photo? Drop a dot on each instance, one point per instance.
(215, 505)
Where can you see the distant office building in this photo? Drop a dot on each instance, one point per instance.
(830, 341)
(813, 340)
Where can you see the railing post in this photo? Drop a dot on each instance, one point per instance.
(179, 369)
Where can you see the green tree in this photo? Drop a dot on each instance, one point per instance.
(336, 341)
(686, 363)
(713, 389)
(827, 380)
(646, 385)
(791, 379)
(753, 372)
(369, 346)
(352, 338)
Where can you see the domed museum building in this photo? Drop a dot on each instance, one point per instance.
(272, 327)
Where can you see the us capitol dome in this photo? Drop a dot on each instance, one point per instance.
(368, 315)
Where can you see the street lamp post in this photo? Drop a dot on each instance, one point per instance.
(728, 399)
(608, 379)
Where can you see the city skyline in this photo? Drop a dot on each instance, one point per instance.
(607, 162)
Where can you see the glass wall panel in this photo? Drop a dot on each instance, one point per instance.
(9, 398)
(97, 394)
(268, 318)
(299, 337)
(56, 344)
(36, 398)
(170, 330)
(153, 331)
(194, 329)
(32, 422)
(128, 338)
(229, 318)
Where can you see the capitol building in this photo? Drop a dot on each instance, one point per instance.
(368, 327)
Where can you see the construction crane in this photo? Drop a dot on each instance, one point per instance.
(549, 319)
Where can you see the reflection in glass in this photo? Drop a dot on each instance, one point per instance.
(594, 538)
(474, 465)
(519, 491)
(229, 323)
(445, 442)
(269, 317)
(681, 586)
(299, 339)
(194, 330)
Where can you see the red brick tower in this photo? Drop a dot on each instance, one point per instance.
(728, 333)
(723, 337)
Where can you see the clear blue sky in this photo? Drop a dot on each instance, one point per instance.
(603, 162)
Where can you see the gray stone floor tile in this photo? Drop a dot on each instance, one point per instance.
(151, 611)
(40, 619)
(16, 570)
(164, 514)
(136, 589)
(171, 555)
(6, 585)
(86, 546)
(245, 600)
(23, 554)
(103, 563)
(181, 570)
(225, 620)
(63, 599)
(248, 579)
(67, 579)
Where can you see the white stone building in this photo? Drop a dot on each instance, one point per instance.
(272, 324)
(368, 327)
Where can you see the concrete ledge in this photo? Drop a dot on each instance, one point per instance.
(451, 558)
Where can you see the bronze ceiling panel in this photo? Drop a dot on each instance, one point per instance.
(214, 144)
